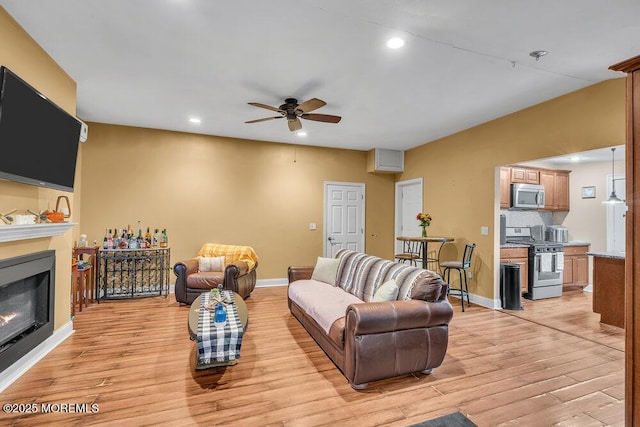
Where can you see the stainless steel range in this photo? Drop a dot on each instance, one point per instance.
(546, 262)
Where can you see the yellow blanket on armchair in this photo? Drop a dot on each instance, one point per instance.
(231, 253)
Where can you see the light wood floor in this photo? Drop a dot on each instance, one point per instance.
(134, 360)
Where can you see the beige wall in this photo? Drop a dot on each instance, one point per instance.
(587, 219)
(213, 189)
(460, 177)
(20, 53)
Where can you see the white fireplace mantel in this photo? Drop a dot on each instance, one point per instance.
(10, 233)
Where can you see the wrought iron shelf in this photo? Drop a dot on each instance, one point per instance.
(10, 233)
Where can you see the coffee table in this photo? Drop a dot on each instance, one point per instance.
(194, 312)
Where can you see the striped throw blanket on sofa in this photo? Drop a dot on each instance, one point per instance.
(361, 274)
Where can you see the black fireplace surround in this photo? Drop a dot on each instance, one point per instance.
(27, 290)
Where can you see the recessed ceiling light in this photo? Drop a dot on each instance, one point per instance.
(575, 158)
(301, 133)
(395, 43)
(195, 120)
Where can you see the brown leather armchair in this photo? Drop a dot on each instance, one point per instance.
(239, 274)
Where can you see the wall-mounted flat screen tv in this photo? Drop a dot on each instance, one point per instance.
(38, 140)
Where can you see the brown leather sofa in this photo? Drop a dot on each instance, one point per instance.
(239, 274)
(375, 340)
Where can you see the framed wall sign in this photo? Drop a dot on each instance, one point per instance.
(589, 192)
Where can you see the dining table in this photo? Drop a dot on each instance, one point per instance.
(424, 247)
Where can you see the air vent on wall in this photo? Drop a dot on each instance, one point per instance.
(385, 161)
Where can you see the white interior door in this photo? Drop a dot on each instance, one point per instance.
(343, 217)
(616, 216)
(408, 205)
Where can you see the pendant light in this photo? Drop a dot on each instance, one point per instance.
(613, 197)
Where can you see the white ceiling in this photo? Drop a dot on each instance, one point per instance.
(155, 63)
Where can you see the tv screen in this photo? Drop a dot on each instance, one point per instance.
(38, 140)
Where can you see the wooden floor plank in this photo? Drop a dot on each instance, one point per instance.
(552, 363)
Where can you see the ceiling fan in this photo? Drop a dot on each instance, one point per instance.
(293, 112)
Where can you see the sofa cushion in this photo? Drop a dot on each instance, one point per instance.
(321, 301)
(206, 280)
(387, 292)
(326, 270)
(206, 264)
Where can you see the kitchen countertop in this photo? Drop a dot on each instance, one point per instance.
(514, 245)
(603, 254)
(577, 243)
(522, 245)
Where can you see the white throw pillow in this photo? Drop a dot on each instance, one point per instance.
(206, 264)
(326, 270)
(388, 291)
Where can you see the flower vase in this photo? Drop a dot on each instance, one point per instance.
(424, 231)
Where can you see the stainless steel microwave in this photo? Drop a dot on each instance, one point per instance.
(527, 196)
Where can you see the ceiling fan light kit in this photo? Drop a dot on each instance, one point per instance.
(293, 112)
(538, 54)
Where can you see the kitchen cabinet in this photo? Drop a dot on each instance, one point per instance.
(555, 182)
(556, 189)
(518, 256)
(505, 187)
(608, 288)
(525, 175)
(576, 267)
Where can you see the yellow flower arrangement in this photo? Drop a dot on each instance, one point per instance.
(425, 221)
(424, 218)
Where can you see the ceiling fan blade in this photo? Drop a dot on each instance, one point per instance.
(264, 120)
(268, 107)
(310, 105)
(327, 118)
(295, 124)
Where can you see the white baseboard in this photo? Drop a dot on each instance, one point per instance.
(588, 288)
(494, 304)
(15, 371)
(266, 283)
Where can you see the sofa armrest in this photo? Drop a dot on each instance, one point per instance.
(191, 265)
(240, 268)
(182, 269)
(379, 317)
(239, 279)
(299, 273)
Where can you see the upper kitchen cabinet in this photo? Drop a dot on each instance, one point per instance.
(555, 182)
(525, 175)
(505, 187)
(556, 189)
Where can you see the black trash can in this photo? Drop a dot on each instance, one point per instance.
(510, 293)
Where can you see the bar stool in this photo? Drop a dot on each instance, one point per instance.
(411, 252)
(461, 267)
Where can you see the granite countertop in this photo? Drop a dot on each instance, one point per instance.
(514, 245)
(603, 254)
(577, 243)
(523, 245)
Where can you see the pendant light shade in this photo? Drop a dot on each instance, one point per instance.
(613, 197)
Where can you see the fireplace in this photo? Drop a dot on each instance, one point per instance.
(27, 285)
